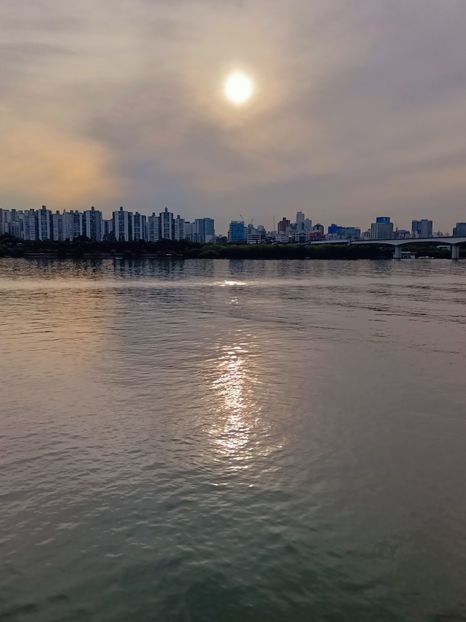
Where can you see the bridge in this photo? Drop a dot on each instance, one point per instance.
(453, 242)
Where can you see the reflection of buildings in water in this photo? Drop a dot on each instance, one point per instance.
(236, 266)
(62, 323)
(57, 344)
(163, 267)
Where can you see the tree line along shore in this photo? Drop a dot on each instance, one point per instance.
(83, 247)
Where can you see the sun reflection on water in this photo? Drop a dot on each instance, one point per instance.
(230, 283)
(238, 406)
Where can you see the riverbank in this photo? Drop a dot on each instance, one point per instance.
(10, 247)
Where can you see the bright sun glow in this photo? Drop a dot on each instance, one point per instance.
(238, 88)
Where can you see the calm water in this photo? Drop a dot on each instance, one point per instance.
(232, 441)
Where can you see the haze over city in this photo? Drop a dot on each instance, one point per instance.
(343, 110)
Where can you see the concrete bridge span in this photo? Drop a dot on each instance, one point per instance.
(453, 242)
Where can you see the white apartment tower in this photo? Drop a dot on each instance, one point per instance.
(178, 228)
(44, 222)
(58, 227)
(139, 227)
(72, 224)
(166, 225)
(153, 228)
(92, 224)
(122, 225)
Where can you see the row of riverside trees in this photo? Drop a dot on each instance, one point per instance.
(82, 247)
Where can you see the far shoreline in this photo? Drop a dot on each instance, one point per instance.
(172, 250)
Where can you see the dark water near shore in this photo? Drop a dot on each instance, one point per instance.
(232, 441)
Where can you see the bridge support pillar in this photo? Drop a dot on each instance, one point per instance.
(397, 253)
(455, 252)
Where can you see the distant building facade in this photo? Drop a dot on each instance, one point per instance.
(44, 222)
(237, 232)
(337, 232)
(122, 225)
(139, 227)
(382, 229)
(166, 225)
(422, 228)
(460, 230)
(92, 224)
(203, 231)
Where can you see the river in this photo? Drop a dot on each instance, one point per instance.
(225, 441)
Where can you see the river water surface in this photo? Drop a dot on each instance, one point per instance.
(227, 441)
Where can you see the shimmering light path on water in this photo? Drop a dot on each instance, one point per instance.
(223, 441)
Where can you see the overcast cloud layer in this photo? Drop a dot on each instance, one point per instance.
(360, 108)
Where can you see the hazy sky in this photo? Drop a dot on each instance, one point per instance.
(359, 110)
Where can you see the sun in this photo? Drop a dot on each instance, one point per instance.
(238, 88)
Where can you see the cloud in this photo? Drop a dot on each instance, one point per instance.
(45, 166)
(359, 107)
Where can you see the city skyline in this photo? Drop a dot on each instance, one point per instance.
(270, 225)
(126, 225)
(356, 109)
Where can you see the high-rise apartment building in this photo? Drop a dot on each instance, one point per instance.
(203, 231)
(139, 227)
(30, 224)
(122, 225)
(92, 224)
(188, 230)
(107, 229)
(178, 228)
(166, 225)
(72, 224)
(44, 223)
(58, 227)
(153, 228)
(4, 221)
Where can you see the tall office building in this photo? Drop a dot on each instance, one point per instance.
(284, 226)
(460, 230)
(382, 229)
(300, 221)
(237, 232)
(336, 232)
(421, 228)
(307, 225)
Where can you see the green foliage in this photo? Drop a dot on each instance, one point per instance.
(84, 247)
